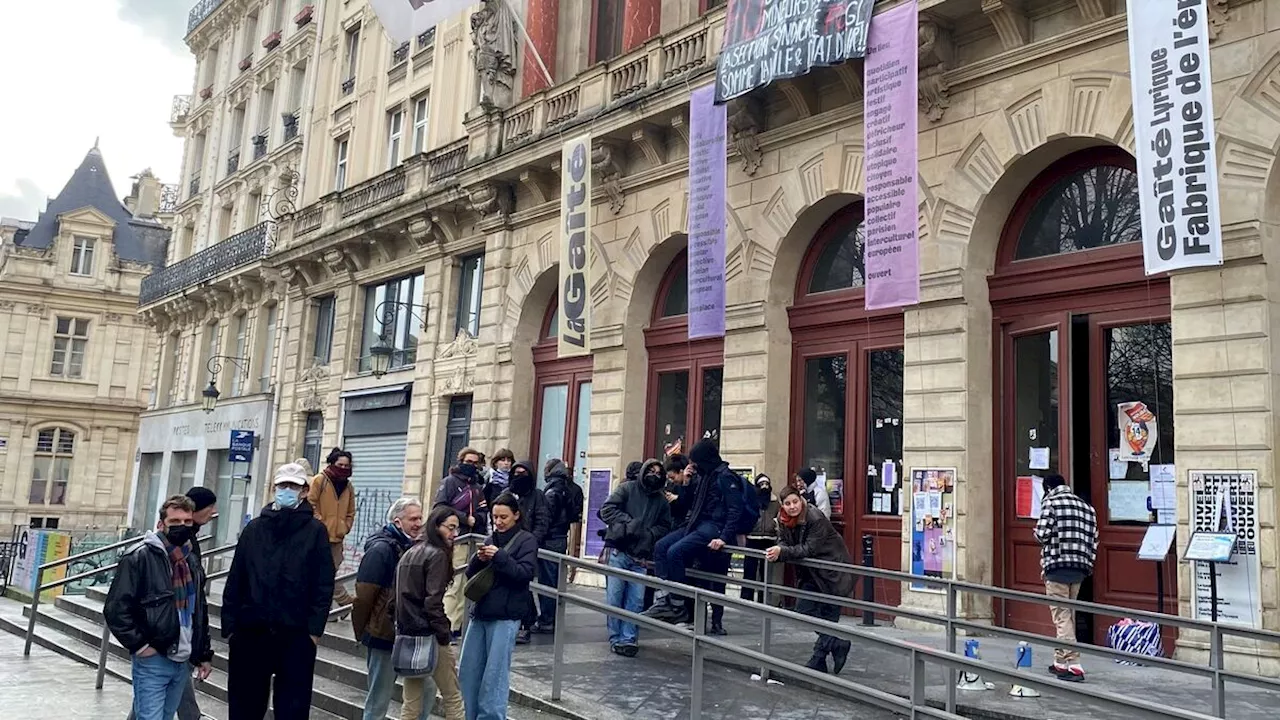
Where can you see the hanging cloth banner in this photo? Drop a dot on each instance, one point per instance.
(767, 40)
(1174, 134)
(890, 249)
(575, 248)
(707, 158)
(405, 20)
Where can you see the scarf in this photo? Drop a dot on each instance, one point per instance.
(184, 582)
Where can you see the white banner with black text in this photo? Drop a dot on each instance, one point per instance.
(575, 248)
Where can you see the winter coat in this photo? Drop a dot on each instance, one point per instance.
(465, 497)
(422, 577)
(815, 538)
(282, 574)
(564, 501)
(514, 566)
(337, 512)
(636, 519)
(535, 515)
(707, 502)
(375, 587)
(767, 526)
(141, 609)
(1067, 531)
(820, 499)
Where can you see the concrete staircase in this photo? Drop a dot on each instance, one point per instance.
(72, 626)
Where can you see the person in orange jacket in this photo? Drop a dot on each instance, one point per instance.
(334, 498)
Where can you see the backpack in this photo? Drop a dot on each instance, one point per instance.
(750, 500)
(571, 508)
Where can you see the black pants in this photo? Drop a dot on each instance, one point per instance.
(753, 567)
(548, 574)
(256, 658)
(823, 611)
(715, 563)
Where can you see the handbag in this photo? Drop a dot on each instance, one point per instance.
(480, 584)
(414, 656)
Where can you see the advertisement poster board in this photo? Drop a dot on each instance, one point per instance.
(599, 485)
(43, 546)
(933, 525)
(1226, 500)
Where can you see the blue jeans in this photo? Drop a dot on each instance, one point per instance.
(157, 686)
(623, 594)
(484, 670)
(382, 680)
(676, 552)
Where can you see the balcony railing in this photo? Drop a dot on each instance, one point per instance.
(400, 54)
(168, 198)
(180, 108)
(202, 10)
(348, 85)
(447, 161)
(233, 161)
(260, 143)
(375, 192)
(308, 219)
(236, 251)
(426, 39)
(290, 126)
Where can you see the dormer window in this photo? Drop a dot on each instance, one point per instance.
(82, 256)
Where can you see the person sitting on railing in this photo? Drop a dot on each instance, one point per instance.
(535, 517)
(715, 512)
(156, 609)
(637, 516)
(804, 533)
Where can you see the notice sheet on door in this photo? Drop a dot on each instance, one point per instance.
(1239, 581)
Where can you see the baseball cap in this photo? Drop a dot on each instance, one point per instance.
(291, 474)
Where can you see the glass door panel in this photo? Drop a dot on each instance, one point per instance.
(555, 418)
(1036, 402)
(884, 431)
(712, 382)
(580, 442)
(825, 405)
(672, 416)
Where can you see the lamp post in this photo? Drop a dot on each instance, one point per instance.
(381, 353)
(209, 396)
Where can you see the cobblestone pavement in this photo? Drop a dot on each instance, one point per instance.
(46, 686)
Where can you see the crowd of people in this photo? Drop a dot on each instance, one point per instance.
(665, 518)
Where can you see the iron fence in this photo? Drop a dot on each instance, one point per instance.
(238, 250)
(202, 10)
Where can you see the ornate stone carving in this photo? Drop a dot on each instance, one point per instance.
(1010, 21)
(312, 403)
(605, 163)
(490, 198)
(1217, 18)
(460, 381)
(744, 130)
(314, 374)
(936, 52)
(6, 306)
(112, 317)
(494, 39)
(463, 345)
(35, 309)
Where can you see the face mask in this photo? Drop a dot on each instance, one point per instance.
(178, 534)
(287, 497)
(339, 472)
(654, 481)
(764, 492)
(468, 470)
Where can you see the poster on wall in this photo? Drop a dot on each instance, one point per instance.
(42, 547)
(767, 40)
(575, 248)
(707, 157)
(1174, 134)
(1227, 500)
(1139, 432)
(599, 485)
(890, 250)
(933, 525)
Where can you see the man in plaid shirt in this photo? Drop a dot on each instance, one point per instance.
(1068, 535)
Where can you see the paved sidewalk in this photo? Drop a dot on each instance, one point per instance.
(47, 686)
(656, 684)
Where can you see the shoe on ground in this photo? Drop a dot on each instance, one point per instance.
(523, 638)
(540, 629)
(839, 656)
(1068, 673)
(625, 650)
(662, 611)
(717, 629)
(680, 617)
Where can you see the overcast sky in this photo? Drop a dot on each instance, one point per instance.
(73, 70)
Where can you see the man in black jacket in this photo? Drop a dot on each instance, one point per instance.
(276, 604)
(535, 518)
(564, 505)
(156, 609)
(637, 515)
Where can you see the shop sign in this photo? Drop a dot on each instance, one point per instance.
(575, 248)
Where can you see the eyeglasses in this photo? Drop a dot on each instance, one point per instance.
(450, 528)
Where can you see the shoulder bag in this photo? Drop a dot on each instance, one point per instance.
(414, 655)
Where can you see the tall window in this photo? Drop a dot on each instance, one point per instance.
(173, 388)
(240, 352)
(352, 57)
(395, 137)
(70, 340)
(277, 17)
(470, 288)
(1094, 206)
(608, 20)
(266, 348)
(420, 107)
(250, 35)
(82, 256)
(389, 314)
(340, 163)
(52, 467)
(322, 349)
(313, 438)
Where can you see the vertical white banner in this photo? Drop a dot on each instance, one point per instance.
(1174, 134)
(575, 248)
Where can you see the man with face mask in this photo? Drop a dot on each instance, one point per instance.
(637, 515)
(276, 603)
(165, 638)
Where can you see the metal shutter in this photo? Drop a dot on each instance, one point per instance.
(378, 478)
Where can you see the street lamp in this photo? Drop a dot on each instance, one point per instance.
(209, 396)
(382, 351)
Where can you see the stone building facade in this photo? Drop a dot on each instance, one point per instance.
(71, 388)
(1035, 321)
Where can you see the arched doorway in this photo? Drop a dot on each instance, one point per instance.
(1079, 329)
(562, 401)
(846, 398)
(685, 377)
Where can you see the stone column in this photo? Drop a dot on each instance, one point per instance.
(641, 22)
(541, 20)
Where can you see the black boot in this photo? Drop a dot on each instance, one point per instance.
(817, 662)
(839, 655)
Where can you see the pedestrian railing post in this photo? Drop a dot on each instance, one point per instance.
(868, 582)
(918, 676)
(766, 626)
(557, 654)
(466, 602)
(1217, 656)
(31, 621)
(102, 654)
(699, 653)
(952, 611)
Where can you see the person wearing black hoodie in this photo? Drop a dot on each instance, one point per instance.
(713, 508)
(534, 518)
(276, 604)
(564, 506)
(637, 516)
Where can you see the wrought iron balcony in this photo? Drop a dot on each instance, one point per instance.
(400, 54)
(202, 10)
(348, 85)
(427, 39)
(233, 161)
(290, 125)
(260, 144)
(234, 252)
(194, 188)
(168, 198)
(181, 107)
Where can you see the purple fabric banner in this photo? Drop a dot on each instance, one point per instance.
(891, 250)
(599, 485)
(707, 158)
